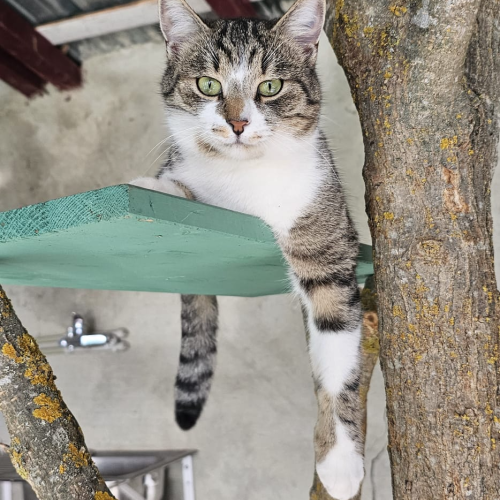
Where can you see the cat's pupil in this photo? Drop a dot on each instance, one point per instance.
(209, 85)
(269, 86)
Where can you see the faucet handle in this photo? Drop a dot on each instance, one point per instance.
(77, 324)
(78, 339)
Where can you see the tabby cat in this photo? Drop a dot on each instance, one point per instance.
(243, 103)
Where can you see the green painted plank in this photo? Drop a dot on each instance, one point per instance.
(128, 238)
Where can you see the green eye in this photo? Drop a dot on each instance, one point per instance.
(209, 86)
(270, 87)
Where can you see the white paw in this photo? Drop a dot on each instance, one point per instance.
(163, 185)
(341, 473)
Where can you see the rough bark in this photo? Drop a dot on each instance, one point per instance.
(47, 446)
(425, 77)
(369, 357)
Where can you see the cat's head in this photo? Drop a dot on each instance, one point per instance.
(234, 88)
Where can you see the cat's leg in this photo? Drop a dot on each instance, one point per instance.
(162, 184)
(334, 327)
(338, 436)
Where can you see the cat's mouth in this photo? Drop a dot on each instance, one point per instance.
(221, 143)
(241, 141)
(223, 137)
(255, 140)
(235, 144)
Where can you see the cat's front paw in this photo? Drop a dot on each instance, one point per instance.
(341, 473)
(162, 185)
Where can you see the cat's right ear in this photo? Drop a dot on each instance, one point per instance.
(179, 23)
(303, 23)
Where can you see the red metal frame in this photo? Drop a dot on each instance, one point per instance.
(233, 8)
(36, 54)
(19, 77)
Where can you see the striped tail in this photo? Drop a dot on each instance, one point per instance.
(199, 315)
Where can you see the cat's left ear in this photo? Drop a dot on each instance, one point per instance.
(303, 23)
(179, 23)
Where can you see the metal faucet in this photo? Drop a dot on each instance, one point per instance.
(78, 339)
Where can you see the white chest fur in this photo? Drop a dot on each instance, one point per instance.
(277, 187)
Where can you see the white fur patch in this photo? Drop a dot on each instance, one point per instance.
(241, 72)
(163, 185)
(342, 471)
(277, 187)
(334, 355)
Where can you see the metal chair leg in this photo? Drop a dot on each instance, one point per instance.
(6, 489)
(188, 478)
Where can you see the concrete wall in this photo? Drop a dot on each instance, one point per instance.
(255, 437)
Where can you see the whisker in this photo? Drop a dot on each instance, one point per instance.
(199, 135)
(156, 147)
(182, 139)
(325, 117)
(172, 135)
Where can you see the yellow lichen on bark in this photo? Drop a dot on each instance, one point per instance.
(29, 348)
(398, 11)
(49, 410)
(38, 371)
(338, 7)
(79, 458)
(40, 374)
(16, 458)
(397, 311)
(10, 351)
(448, 142)
(101, 495)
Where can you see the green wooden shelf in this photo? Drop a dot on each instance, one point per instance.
(128, 238)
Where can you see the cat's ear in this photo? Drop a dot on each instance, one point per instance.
(179, 23)
(303, 23)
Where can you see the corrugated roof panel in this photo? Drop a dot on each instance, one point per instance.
(46, 11)
(92, 5)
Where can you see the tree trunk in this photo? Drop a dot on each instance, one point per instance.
(425, 77)
(47, 446)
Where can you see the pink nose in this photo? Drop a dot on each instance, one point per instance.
(238, 125)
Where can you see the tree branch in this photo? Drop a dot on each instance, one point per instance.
(47, 445)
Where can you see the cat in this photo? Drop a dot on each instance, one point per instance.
(243, 103)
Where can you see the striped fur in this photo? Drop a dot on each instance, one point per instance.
(281, 170)
(197, 359)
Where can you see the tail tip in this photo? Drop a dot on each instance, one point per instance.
(187, 417)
